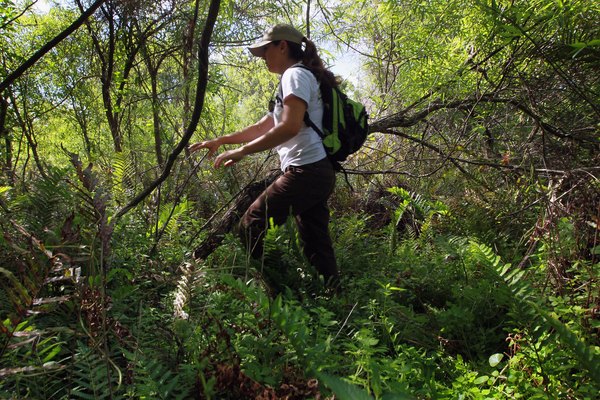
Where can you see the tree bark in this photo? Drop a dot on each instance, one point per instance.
(27, 128)
(153, 68)
(188, 47)
(7, 165)
(156, 122)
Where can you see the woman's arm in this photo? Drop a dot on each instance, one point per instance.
(246, 135)
(251, 132)
(291, 122)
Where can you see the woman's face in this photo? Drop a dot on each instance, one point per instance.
(276, 57)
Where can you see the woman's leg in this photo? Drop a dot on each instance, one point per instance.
(313, 227)
(303, 192)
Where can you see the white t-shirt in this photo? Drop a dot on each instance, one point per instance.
(306, 147)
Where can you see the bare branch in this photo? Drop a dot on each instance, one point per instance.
(198, 105)
(407, 118)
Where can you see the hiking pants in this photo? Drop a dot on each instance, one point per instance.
(302, 192)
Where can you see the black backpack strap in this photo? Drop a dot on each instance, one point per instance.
(279, 94)
(309, 122)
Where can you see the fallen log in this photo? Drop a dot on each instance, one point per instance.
(232, 216)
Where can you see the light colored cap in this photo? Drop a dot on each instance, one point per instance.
(278, 32)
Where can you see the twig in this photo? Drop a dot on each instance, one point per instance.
(345, 321)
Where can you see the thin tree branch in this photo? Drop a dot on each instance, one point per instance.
(404, 119)
(49, 46)
(308, 19)
(431, 147)
(198, 105)
(7, 23)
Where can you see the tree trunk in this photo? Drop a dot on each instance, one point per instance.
(4, 133)
(82, 119)
(156, 118)
(27, 128)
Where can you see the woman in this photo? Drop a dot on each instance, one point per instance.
(309, 178)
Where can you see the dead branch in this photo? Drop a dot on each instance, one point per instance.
(230, 219)
(407, 118)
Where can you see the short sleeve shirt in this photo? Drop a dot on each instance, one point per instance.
(306, 147)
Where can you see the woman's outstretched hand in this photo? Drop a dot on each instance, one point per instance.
(226, 158)
(229, 157)
(211, 145)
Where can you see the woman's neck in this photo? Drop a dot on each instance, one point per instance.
(288, 64)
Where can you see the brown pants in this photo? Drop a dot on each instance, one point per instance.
(302, 192)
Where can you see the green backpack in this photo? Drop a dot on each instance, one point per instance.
(345, 125)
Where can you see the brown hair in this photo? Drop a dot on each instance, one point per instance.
(310, 58)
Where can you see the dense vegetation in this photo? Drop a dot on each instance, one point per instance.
(467, 235)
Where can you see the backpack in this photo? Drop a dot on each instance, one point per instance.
(345, 126)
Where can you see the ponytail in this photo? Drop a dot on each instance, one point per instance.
(310, 58)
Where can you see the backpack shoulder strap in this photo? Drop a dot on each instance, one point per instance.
(309, 122)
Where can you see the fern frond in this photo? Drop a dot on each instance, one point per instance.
(92, 377)
(485, 254)
(15, 291)
(585, 354)
(22, 291)
(531, 309)
(153, 380)
(168, 220)
(46, 203)
(188, 281)
(123, 173)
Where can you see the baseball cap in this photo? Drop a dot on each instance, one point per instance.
(278, 32)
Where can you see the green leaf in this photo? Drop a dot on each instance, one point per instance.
(51, 351)
(482, 379)
(495, 359)
(579, 46)
(342, 389)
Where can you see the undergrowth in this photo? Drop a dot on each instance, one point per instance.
(424, 313)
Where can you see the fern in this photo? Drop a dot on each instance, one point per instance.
(154, 380)
(23, 293)
(92, 375)
(46, 203)
(293, 321)
(531, 309)
(586, 355)
(37, 281)
(418, 215)
(123, 174)
(16, 293)
(188, 281)
(93, 204)
(168, 220)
